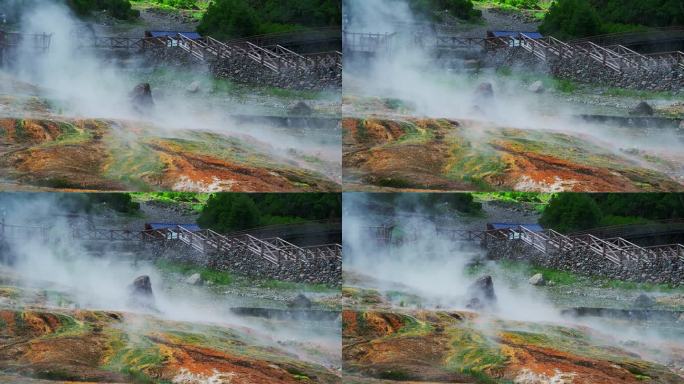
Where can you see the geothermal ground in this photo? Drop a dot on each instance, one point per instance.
(41, 148)
(80, 320)
(393, 144)
(384, 327)
(421, 310)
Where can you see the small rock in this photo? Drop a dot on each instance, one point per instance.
(537, 280)
(194, 87)
(537, 87)
(194, 279)
(484, 91)
(642, 109)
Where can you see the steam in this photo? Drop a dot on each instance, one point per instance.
(96, 276)
(80, 82)
(441, 88)
(428, 264)
(438, 270)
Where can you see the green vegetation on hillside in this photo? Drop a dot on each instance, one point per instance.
(569, 212)
(227, 212)
(226, 19)
(430, 203)
(579, 18)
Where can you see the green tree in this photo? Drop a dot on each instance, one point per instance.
(571, 18)
(569, 212)
(227, 19)
(227, 212)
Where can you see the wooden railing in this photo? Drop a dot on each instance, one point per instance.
(617, 250)
(274, 250)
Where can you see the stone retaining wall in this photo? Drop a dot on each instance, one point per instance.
(670, 271)
(585, 70)
(244, 70)
(320, 271)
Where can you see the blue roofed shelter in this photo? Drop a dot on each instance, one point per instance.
(172, 34)
(161, 226)
(532, 35)
(498, 226)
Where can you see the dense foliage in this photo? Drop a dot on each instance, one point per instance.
(430, 203)
(463, 9)
(238, 18)
(120, 9)
(569, 212)
(579, 18)
(227, 212)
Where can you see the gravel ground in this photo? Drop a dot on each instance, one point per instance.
(493, 19)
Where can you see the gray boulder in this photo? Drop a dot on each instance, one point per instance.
(301, 109)
(300, 301)
(642, 109)
(140, 295)
(141, 97)
(644, 301)
(480, 295)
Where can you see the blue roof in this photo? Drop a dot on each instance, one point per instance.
(531, 227)
(189, 227)
(533, 35)
(189, 35)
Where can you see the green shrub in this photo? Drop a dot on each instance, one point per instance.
(238, 18)
(225, 212)
(571, 18)
(568, 212)
(579, 18)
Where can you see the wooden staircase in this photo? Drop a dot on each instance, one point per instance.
(549, 242)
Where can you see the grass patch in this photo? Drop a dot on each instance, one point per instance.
(196, 200)
(207, 274)
(560, 277)
(223, 278)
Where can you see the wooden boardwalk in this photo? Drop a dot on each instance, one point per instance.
(617, 250)
(274, 250)
(615, 57)
(275, 58)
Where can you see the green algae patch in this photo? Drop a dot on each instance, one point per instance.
(472, 352)
(139, 358)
